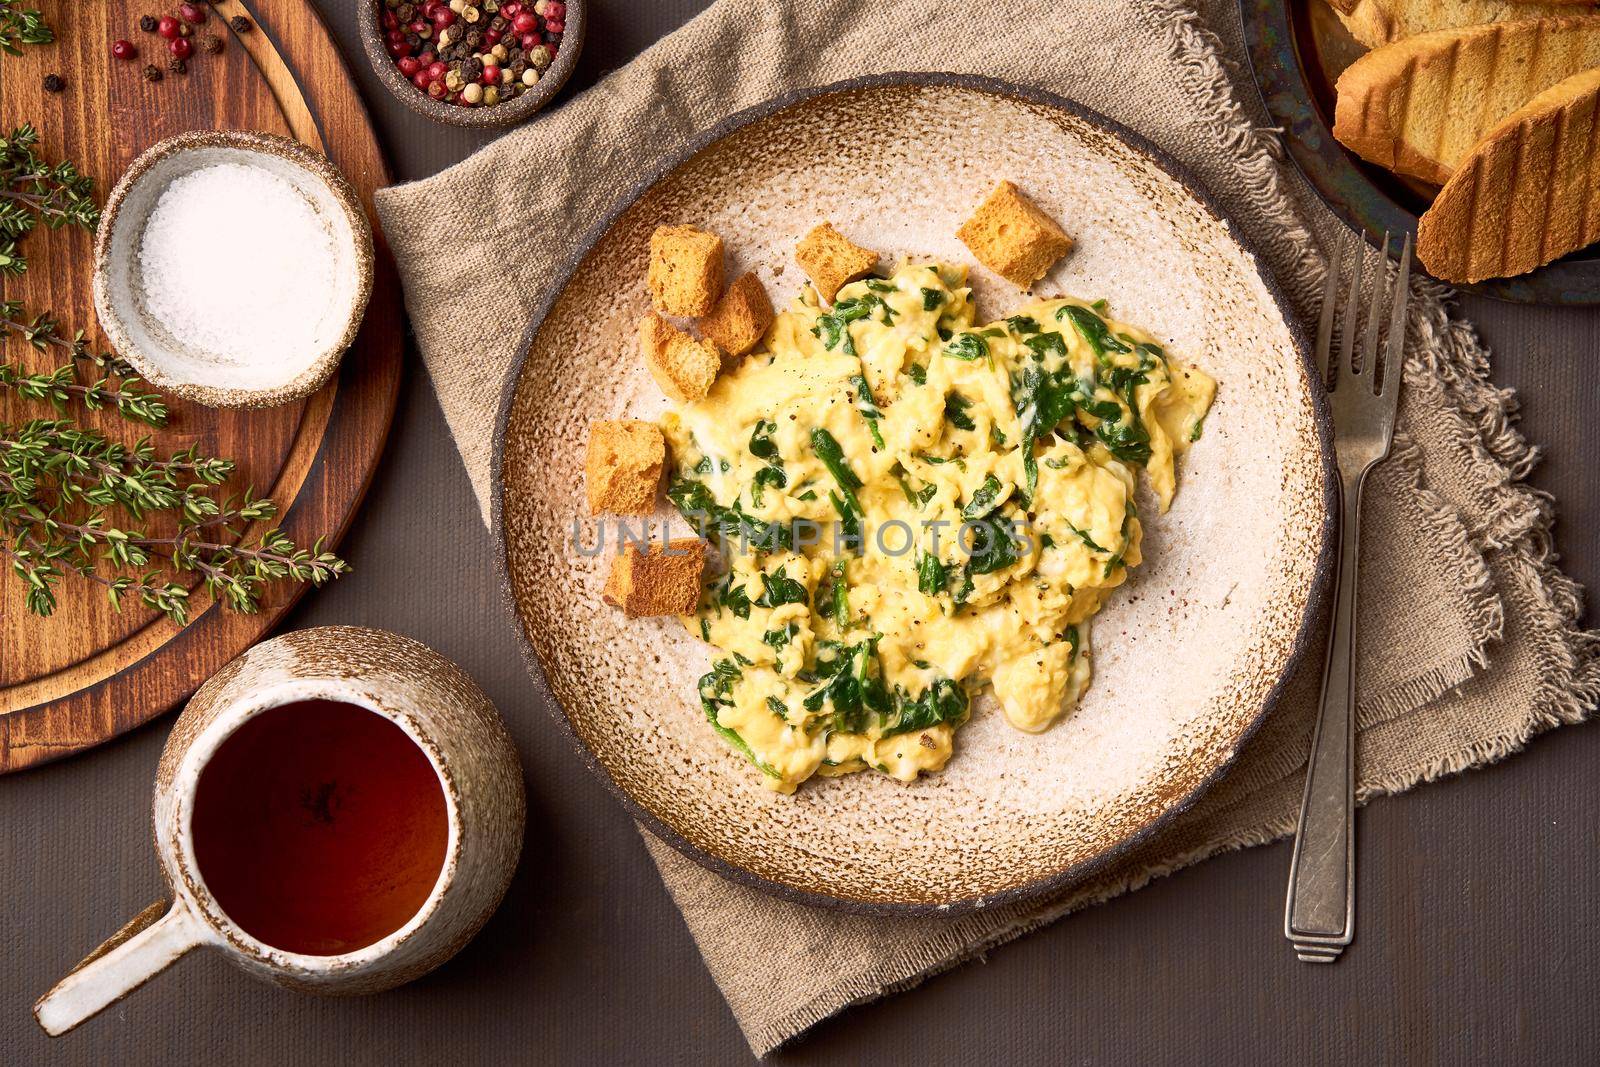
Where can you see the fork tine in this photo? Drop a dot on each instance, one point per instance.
(1347, 342)
(1394, 355)
(1369, 344)
(1330, 297)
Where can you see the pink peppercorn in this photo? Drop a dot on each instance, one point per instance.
(123, 49)
(443, 17)
(525, 23)
(436, 89)
(528, 40)
(168, 27)
(491, 74)
(180, 47)
(491, 38)
(409, 66)
(192, 12)
(553, 25)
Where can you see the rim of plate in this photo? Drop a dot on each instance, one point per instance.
(901, 79)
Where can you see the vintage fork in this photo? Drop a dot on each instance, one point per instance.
(1319, 917)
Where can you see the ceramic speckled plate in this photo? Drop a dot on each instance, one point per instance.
(1189, 654)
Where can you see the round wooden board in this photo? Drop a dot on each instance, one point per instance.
(89, 673)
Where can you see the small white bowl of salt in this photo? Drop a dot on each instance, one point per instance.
(233, 268)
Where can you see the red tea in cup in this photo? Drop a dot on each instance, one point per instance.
(320, 827)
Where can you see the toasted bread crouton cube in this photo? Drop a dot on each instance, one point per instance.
(623, 468)
(831, 260)
(683, 367)
(685, 270)
(663, 581)
(740, 319)
(1012, 237)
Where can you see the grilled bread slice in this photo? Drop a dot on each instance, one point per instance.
(1378, 22)
(1527, 194)
(1419, 105)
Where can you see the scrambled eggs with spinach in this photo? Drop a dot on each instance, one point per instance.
(913, 507)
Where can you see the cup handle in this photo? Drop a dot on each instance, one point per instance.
(150, 943)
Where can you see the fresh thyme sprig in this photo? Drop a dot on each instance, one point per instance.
(21, 25)
(57, 482)
(33, 191)
(60, 481)
(43, 331)
(61, 385)
(37, 566)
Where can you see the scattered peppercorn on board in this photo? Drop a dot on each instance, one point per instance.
(88, 673)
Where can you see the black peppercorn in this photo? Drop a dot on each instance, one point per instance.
(240, 24)
(471, 70)
(177, 66)
(212, 44)
(152, 74)
(148, 23)
(53, 83)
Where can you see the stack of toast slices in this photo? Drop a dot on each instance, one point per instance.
(1496, 102)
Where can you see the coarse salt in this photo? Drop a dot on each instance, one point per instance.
(237, 266)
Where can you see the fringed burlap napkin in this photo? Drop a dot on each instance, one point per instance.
(1465, 576)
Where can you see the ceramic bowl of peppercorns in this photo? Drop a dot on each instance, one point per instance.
(474, 62)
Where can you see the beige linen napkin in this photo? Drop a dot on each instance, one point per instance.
(1466, 576)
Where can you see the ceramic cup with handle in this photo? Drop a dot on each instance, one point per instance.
(463, 819)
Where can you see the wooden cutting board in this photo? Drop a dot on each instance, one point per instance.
(89, 673)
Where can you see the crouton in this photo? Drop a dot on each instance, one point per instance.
(623, 469)
(1012, 237)
(685, 270)
(828, 257)
(740, 319)
(683, 367)
(663, 581)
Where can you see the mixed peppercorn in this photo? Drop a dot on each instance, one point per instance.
(473, 53)
(178, 31)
